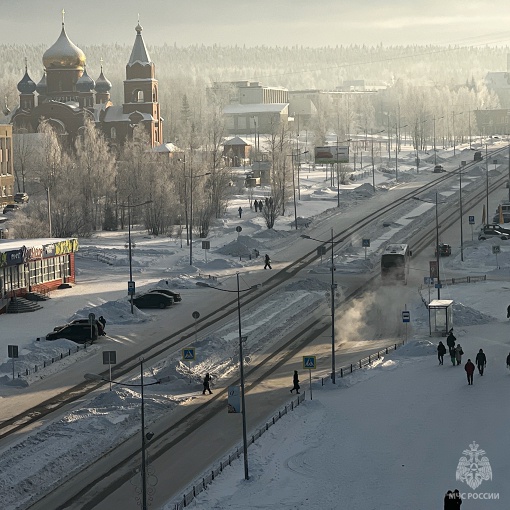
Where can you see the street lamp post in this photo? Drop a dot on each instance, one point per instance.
(131, 287)
(191, 210)
(453, 128)
(333, 288)
(487, 184)
(241, 366)
(298, 154)
(145, 437)
(463, 163)
(435, 151)
(396, 148)
(373, 165)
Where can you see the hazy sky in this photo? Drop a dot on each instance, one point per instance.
(259, 22)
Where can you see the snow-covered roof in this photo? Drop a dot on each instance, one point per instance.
(18, 244)
(139, 52)
(165, 148)
(255, 108)
(236, 141)
(116, 114)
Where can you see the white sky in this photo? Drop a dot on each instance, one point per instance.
(283, 23)
(407, 399)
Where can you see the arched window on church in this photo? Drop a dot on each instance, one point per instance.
(138, 96)
(154, 95)
(113, 133)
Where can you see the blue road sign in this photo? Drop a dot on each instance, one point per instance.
(406, 316)
(471, 220)
(310, 362)
(188, 354)
(131, 288)
(365, 243)
(428, 280)
(438, 285)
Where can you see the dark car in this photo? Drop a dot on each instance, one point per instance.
(79, 333)
(153, 300)
(21, 198)
(174, 295)
(10, 207)
(438, 169)
(99, 326)
(488, 231)
(445, 250)
(478, 156)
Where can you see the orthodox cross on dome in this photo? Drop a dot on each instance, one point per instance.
(101, 60)
(63, 17)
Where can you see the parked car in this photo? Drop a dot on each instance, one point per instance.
(488, 231)
(438, 169)
(99, 326)
(10, 208)
(79, 333)
(153, 300)
(478, 156)
(445, 250)
(174, 295)
(21, 198)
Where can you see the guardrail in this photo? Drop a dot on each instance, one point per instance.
(202, 483)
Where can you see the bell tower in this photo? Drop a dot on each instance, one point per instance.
(141, 90)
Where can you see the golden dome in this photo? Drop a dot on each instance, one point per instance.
(63, 54)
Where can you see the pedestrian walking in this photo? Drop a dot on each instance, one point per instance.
(450, 341)
(267, 261)
(295, 382)
(207, 383)
(267, 202)
(240, 210)
(469, 367)
(441, 351)
(481, 361)
(458, 353)
(102, 321)
(261, 205)
(256, 205)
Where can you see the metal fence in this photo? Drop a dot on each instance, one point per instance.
(49, 361)
(202, 483)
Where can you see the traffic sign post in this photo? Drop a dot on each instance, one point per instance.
(12, 352)
(206, 245)
(366, 244)
(496, 249)
(195, 315)
(188, 354)
(92, 319)
(310, 363)
(406, 318)
(472, 222)
(109, 358)
(428, 281)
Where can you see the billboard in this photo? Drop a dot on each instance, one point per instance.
(331, 154)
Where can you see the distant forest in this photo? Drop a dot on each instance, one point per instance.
(189, 70)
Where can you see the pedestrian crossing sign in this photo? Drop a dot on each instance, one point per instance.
(188, 354)
(310, 362)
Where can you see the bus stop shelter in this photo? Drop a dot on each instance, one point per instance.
(440, 317)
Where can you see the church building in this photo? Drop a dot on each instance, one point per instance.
(66, 95)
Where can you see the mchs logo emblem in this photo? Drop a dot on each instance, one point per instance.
(474, 468)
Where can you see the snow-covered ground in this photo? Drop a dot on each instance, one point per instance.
(323, 456)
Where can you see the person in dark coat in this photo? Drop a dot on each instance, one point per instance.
(295, 382)
(450, 341)
(457, 500)
(207, 382)
(441, 351)
(508, 361)
(267, 261)
(240, 210)
(102, 321)
(448, 501)
(469, 367)
(261, 205)
(256, 205)
(481, 361)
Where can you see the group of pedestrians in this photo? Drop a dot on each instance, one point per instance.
(452, 500)
(456, 353)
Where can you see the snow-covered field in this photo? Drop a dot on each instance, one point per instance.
(387, 437)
